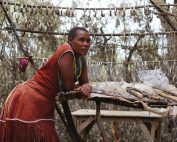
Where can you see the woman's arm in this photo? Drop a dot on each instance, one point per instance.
(84, 87)
(84, 74)
(66, 70)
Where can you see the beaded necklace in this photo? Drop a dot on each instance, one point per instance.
(77, 69)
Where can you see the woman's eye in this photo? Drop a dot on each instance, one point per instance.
(82, 39)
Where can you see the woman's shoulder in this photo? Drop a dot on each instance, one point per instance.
(62, 49)
(64, 46)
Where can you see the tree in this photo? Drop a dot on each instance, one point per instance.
(168, 19)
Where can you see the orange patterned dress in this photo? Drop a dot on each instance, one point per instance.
(28, 113)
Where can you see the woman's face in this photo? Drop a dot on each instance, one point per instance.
(80, 43)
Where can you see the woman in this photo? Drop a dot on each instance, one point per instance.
(28, 113)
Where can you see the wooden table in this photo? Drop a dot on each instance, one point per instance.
(86, 119)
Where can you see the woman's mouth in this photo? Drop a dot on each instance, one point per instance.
(83, 47)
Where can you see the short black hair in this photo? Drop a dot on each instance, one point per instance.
(73, 31)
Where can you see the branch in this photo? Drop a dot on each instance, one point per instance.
(133, 49)
(164, 16)
(18, 39)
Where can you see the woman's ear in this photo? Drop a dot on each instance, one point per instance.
(69, 40)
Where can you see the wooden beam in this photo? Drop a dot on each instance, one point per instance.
(79, 8)
(91, 34)
(86, 124)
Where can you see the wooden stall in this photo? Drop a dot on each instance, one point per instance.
(148, 122)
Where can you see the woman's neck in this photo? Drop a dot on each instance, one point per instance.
(77, 56)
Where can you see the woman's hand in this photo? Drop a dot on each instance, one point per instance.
(85, 89)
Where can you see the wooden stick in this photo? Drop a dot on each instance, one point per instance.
(79, 8)
(108, 34)
(134, 93)
(146, 107)
(162, 94)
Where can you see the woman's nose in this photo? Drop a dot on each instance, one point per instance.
(86, 43)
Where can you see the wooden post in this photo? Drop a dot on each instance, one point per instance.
(98, 120)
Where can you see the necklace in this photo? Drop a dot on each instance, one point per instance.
(77, 69)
